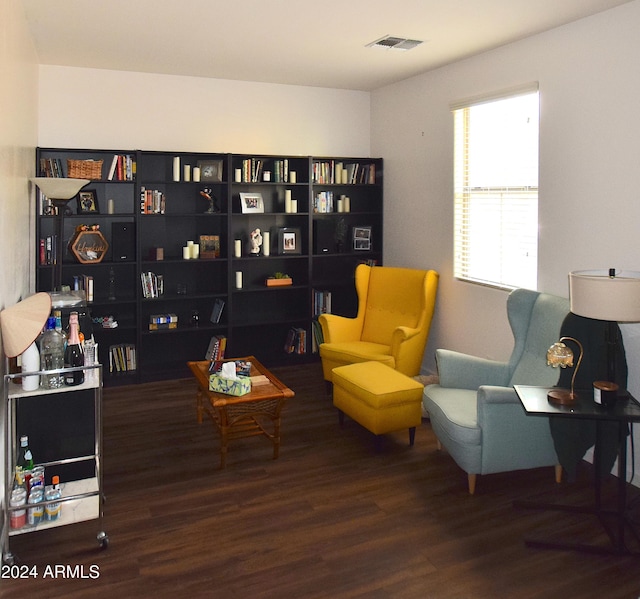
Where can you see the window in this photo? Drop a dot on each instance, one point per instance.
(496, 189)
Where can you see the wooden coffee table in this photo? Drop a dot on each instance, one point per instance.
(247, 415)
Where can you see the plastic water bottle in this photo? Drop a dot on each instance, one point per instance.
(52, 356)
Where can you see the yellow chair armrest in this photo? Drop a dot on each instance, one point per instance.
(337, 329)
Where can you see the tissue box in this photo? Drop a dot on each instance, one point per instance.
(219, 384)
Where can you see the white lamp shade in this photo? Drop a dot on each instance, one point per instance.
(59, 188)
(22, 323)
(596, 294)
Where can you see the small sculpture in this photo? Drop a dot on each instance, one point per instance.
(256, 242)
(207, 193)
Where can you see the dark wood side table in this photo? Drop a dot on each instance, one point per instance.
(626, 410)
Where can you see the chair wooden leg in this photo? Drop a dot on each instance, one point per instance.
(472, 483)
(412, 435)
(558, 469)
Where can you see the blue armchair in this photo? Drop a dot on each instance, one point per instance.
(474, 410)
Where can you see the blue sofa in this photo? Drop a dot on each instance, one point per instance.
(474, 410)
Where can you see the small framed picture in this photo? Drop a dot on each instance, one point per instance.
(88, 202)
(209, 247)
(362, 239)
(251, 202)
(210, 170)
(289, 241)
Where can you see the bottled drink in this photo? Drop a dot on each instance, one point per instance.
(52, 356)
(52, 510)
(25, 457)
(73, 355)
(58, 316)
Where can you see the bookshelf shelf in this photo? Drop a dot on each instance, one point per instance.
(165, 212)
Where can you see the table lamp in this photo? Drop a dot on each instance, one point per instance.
(609, 295)
(59, 190)
(21, 325)
(559, 355)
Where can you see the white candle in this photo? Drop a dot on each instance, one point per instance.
(238, 279)
(195, 251)
(196, 173)
(292, 177)
(267, 175)
(186, 252)
(176, 168)
(340, 204)
(111, 206)
(287, 200)
(237, 248)
(345, 175)
(187, 172)
(347, 204)
(294, 206)
(238, 175)
(266, 240)
(189, 243)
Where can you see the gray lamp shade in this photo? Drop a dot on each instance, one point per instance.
(596, 294)
(59, 188)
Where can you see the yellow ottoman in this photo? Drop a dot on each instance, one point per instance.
(378, 397)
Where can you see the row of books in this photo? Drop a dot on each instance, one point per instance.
(317, 337)
(326, 201)
(84, 283)
(296, 342)
(122, 357)
(123, 168)
(51, 167)
(336, 172)
(45, 205)
(216, 349)
(48, 246)
(321, 302)
(152, 201)
(253, 170)
(152, 285)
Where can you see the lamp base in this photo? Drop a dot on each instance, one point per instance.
(562, 397)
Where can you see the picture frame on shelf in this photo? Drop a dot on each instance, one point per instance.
(88, 202)
(289, 241)
(211, 170)
(362, 239)
(251, 203)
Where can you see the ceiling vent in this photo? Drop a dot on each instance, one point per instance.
(392, 42)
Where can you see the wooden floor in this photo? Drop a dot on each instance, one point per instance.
(329, 518)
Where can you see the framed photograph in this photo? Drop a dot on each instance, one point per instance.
(362, 239)
(289, 241)
(251, 202)
(210, 170)
(88, 202)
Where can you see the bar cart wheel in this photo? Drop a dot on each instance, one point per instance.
(103, 540)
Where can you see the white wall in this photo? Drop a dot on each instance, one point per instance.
(589, 204)
(18, 137)
(90, 108)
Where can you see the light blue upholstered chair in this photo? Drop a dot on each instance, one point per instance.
(474, 410)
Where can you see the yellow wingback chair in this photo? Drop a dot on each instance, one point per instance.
(395, 308)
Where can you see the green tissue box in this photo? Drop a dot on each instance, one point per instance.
(219, 384)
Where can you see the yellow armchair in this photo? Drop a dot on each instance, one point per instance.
(395, 308)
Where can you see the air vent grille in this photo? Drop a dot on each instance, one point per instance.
(391, 42)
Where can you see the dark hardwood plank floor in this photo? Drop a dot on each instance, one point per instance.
(329, 518)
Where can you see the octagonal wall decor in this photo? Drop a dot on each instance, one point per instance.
(88, 245)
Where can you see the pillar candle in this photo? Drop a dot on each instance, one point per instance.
(266, 240)
(238, 279)
(341, 204)
(347, 204)
(238, 175)
(111, 206)
(195, 251)
(187, 172)
(294, 206)
(287, 200)
(186, 252)
(176, 168)
(237, 248)
(292, 177)
(196, 174)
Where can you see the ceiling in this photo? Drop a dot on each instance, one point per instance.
(298, 42)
